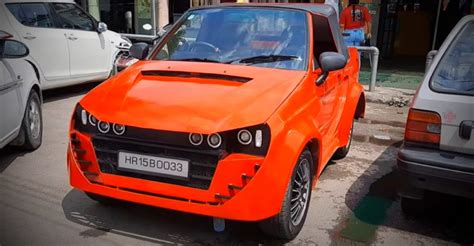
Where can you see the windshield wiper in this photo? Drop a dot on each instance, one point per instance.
(263, 59)
(198, 60)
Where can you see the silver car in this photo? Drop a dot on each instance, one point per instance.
(438, 151)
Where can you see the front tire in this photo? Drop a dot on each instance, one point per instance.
(32, 124)
(288, 223)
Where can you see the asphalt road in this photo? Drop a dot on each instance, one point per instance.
(355, 202)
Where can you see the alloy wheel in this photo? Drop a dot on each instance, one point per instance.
(34, 119)
(300, 192)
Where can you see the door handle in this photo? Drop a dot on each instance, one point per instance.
(71, 38)
(29, 37)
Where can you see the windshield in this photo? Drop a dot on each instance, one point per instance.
(455, 71)
(264, 37)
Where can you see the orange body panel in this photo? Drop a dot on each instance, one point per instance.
(298, 113)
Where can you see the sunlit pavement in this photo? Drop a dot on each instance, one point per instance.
(355, 202)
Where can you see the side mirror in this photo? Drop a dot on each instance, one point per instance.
(330, 61)
(139, 50)
(101, 27)
(13, 49)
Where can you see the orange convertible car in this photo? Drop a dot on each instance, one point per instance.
(233, 114)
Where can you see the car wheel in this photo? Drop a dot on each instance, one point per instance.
(102, 199)
(412, 206)
(343, 151)
(32, 125)
(288, 223)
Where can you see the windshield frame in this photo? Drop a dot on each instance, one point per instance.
(452, 41)
(164, 40)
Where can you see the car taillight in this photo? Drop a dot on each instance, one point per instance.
(423, 127)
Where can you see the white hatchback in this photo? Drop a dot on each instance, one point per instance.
(438, 151)
(20, 96)
(67, 45)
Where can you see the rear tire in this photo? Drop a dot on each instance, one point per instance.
(288, 223)
(32, 124)
(343, 151)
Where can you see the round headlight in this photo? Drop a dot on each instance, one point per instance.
(214, 140)
(118, 129)
(244, 137)
(103, 127)
(92, 120)
(195, 139)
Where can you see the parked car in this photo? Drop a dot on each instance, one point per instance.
(236, 123)
(20, 96)
(67, 45)
(438, 151)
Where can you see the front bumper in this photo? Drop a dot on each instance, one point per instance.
(436, 170)
(257, 193)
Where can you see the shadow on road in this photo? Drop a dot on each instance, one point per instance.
(374, 201)
(8, 155)
(66, 92)
(155, 225)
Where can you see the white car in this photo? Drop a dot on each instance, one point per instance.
(67, 45)
(438, 151)
(20, 97)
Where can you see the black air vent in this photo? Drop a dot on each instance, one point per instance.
(196, 75)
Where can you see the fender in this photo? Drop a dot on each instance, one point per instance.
(353, 96)
(295, 136)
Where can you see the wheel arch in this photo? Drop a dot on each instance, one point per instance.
(36, 88)
(354, 108)
(300, 136)
(313, 145)
(360, 108)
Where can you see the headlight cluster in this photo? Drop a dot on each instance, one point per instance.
(91, 122)
(252, 140)
(213, 140)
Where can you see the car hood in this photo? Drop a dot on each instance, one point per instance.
(190, 96)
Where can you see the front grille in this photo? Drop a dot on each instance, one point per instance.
(202, 163)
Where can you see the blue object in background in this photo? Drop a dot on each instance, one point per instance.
(354, 37)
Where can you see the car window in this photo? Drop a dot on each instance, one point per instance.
(232, 35)
(72, 17)
(322, 37)
(32, 14)
(455, 71)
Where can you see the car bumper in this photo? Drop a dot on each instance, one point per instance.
(435, 170)
(258, 196)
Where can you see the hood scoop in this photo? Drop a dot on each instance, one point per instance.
(196, 75)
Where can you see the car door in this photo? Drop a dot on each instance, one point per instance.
(453, 86)
(10, 98)
(39, 31)
(89, 50)
(330, 99)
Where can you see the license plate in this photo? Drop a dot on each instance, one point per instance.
(154, 165)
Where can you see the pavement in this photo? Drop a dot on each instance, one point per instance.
(397, 97)
(355, 201)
